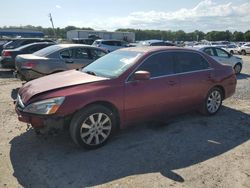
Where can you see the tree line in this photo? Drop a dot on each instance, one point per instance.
(191, 36)
(152, 34)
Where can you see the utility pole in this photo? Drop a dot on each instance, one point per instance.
(51, 20)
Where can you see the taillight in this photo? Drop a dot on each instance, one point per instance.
(28, 65)
(6, 53)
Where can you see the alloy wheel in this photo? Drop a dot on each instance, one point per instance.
(95, 129)
(214, 101)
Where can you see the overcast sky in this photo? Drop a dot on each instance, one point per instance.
(205, 15)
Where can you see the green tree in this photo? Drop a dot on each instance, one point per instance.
(247, 35)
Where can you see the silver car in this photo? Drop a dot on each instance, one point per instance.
(55, 59)
(222, 56)
(110, 45)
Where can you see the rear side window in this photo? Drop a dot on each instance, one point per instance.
(111, 43)
(209, 51)
(95, 53)
(66, 54)
(28, 42)
(189, 61)
(80, 53)
(35, 48)
(160, 64)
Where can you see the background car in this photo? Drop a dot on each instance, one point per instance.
(110, 45)
(8, 56)
(245, 49)
(15, 43)
(54, 59)
(3, 42)
(224, 57)
(88, 41)
(126, 86)
(232, 48)
(156, 43)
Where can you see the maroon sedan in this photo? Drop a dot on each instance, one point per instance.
(125, 86)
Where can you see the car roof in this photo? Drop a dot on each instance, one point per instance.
(73, 45)
(150, 49)
(34, 44)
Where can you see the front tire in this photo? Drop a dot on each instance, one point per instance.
(243, 52)
(91, 127)
(213, 101)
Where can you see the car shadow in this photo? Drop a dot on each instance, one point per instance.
(6, 73)
(242, 76)
(54, 161)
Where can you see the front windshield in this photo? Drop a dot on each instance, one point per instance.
(47, 51)
(113, 64)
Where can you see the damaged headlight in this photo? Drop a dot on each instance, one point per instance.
(48, 106)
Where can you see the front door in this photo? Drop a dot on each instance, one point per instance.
(157, 96)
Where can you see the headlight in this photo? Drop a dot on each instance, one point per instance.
(48, 106)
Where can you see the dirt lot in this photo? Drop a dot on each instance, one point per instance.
(188, 151)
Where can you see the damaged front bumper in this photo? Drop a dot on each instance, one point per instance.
(41, 123)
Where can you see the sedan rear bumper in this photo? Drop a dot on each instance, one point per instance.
(27, 74)
(7, 62)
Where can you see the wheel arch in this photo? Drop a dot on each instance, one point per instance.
(108, 105)
(222, 89)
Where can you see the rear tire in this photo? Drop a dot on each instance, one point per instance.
(212, 102)
(92, 126)
(232, 52)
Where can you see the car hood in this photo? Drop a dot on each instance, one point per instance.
(56, 81)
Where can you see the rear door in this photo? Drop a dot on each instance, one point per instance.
(154, 97)
(195, 76)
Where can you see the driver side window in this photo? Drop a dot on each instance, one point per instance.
(160, 64)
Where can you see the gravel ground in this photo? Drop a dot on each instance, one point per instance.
(188, 151)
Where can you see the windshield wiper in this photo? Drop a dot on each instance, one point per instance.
(90, 72)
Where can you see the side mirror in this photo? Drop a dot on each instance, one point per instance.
(141, 75)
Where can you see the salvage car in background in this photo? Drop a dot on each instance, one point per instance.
(245, 49)
(110, 45)
(156, 43)
(224, 57)
(125, 86)
(232, 49)
(8, 56)
(56, 58)
(15, 43)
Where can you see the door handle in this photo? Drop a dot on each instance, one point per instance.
(171, 82)
(209, 77)
(69, 61)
